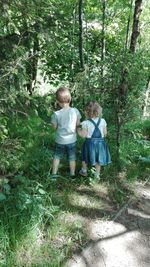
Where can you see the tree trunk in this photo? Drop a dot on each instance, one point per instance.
(103, 37)
(128, 27)
(35, 60)
(32, 64)
(81, 34)
(123, 87)
(135, 26)
(146, 100)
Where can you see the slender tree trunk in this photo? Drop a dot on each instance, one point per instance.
(81, 56)
(35, 60)
(103, 37)
(135, 27)
(123, 87)
(32, 63)
(146, 100)
(31, 42)
(128, 27)
(73, 48)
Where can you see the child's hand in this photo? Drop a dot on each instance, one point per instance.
(54, 126)
(82, 132)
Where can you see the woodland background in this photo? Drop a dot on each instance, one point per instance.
(100, 49)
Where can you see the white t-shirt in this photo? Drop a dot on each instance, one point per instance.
(66, 121)
(89, 126)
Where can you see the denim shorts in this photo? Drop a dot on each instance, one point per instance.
(69, 149)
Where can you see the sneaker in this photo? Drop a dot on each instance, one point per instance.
(83, 173)
(53, 177)
(72, 176)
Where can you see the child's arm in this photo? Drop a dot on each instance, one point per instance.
(78, 122)
(78, 118)
(54, 121)
(103, 127)
(54, 126)
(105, 131)
(81, 130)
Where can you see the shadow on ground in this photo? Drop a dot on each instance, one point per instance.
(120, 240)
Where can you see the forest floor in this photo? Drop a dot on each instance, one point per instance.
(123, 239)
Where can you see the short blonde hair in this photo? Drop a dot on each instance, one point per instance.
(63, 95)
(93, 109)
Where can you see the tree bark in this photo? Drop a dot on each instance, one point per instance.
(146, 100)
(32, 63)
(128, 27)
(123, 87)
(35, 60)
(135, 26)
(103, 37)
(81, 56)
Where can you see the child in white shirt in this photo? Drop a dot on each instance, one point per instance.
(65, 122)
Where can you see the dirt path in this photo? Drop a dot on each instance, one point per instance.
(123, 241)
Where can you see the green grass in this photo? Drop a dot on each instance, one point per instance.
(43, 223)
(46, 223)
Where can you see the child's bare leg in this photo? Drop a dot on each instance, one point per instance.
(83, 170)
(72, 165)
(55, 166)
(84, 166)
(98, 169)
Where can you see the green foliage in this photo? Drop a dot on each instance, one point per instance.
(39, 47)
(3, 129)
(28, 205)
(135, 150)
(146, 129)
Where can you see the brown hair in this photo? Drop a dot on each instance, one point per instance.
(93, 109)
(63, 95)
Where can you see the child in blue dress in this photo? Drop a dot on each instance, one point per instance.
(94, 151)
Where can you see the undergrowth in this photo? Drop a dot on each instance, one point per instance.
(42, 223)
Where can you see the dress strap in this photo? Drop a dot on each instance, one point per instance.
(95, 124)
(96, 132)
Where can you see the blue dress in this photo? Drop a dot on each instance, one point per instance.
(94, 149)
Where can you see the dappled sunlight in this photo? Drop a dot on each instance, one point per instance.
(100, 229)
(95, 53)
(85, 201)
(112, 245)
(138, 246)
(99, 191)
(91, 201)
(124, 242)
(138, 213)
(142, 190)
(70, 218)
(123, 245)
